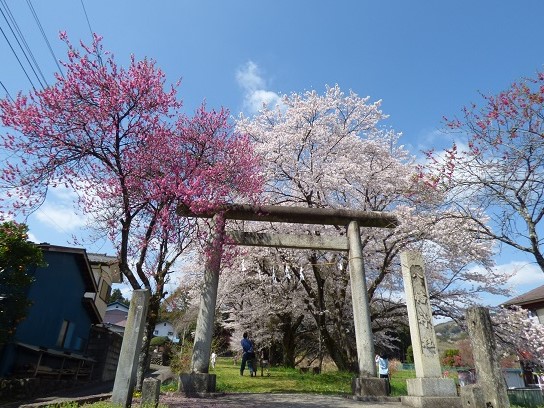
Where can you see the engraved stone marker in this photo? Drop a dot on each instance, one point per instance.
(429, 389)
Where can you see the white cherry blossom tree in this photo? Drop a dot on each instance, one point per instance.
(329, 151)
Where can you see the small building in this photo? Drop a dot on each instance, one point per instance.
(166, 329)
(533, 301)
(115, 317)
(53, 340)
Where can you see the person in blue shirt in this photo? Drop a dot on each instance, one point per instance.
(383, 370)
(248, 356)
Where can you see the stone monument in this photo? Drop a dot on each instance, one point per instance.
(428, 389)
(490, 389)
(125, 377)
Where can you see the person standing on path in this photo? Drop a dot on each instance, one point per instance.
(248, 352)
(383, 369)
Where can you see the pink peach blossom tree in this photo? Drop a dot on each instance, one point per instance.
(502, 167)
(118, 138)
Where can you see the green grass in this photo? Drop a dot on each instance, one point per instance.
(286, 380)
(398, 382)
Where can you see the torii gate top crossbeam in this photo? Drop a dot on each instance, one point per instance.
(300, 215)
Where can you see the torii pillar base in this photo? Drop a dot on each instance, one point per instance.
(369, 387)
(197, 384)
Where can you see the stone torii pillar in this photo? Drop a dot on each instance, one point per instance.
(199, 381)
(361, 305)
(352, 220)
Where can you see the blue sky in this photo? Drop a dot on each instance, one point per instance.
(424, 59)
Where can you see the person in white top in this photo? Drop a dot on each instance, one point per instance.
(212, 359)
(383, 369)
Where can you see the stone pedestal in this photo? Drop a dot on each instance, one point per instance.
(369, 387)
(197, 384)
(151, 389)
(431, 386)
(472, 396)
(431, 393)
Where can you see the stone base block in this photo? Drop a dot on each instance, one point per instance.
(197, 383)
(431, 402)
(151, 389)
(369, 386)
(431, 387)
(472, 396)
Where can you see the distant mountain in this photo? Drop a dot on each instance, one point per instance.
(447, 334)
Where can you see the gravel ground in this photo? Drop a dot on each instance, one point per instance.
(174, 400)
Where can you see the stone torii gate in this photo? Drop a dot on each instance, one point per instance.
(199, 380)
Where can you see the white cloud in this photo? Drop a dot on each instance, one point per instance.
(261, 97)
(61, 217)
(249, 78)
(429, 139)
(255, 93)
(525, 273)
(58, 211)
(33, 238)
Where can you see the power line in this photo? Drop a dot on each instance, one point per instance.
(10, 25)
(7, 92)
(87, 17)
(17, 57)
(36, 18)
(21, 35)
(98, 55)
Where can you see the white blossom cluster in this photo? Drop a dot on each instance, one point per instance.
(518, 332)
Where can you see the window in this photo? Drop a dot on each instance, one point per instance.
(156, 332)
(105, 290)
(62, 333)
(170, 333)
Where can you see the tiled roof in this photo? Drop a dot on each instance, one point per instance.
(102, 258)
(533, 296)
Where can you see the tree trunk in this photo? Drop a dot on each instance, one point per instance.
(333, 347)
(288, 342)
(289, 338)
(335, 350)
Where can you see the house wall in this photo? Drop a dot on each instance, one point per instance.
(118, 306)
(540, 314)
(104, 289)
(57, 297)
(105, 348)
(165, 329)
(115, 316)
(105, 272)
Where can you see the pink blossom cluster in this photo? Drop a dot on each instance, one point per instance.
(117, 136)
(119, 128)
